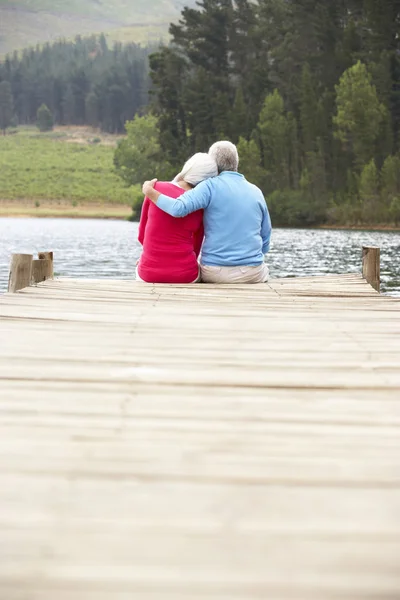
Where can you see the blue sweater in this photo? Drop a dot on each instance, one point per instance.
(236, 219)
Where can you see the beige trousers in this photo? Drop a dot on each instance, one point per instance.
(237, 274)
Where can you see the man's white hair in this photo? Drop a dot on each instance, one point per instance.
(199, 167)
(225, 155)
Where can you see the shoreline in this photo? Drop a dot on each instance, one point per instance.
(87, 216)
(61, 209)
(395, 228)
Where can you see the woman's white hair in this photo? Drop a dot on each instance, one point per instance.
(225, 155)
(199, 167)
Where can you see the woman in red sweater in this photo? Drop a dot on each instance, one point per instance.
(171, 246)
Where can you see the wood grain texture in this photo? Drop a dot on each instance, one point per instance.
(20, 272)
(48, 256)
(42, 269)
(200, 442)
(371, 266)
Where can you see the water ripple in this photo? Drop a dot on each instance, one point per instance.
(109, 249)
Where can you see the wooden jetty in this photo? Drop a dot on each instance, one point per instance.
(200, 442)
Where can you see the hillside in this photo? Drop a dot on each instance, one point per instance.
(72, 175)
(28, 22)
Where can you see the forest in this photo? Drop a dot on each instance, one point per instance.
(82, 82)
(308, 89)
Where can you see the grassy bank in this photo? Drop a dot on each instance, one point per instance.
(62, 209)
(69, 169)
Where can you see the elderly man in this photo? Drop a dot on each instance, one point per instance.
(236, 220)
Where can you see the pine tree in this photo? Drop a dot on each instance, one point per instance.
(6, 105)
(239, 120)
(382, 18)
(113, 108)
(308, 110)
(274, 136)
(80, 86)
(369, 193)
(250, 162)
(169, 73)
(204, 35)
(293, 150)
(394, 210)
(68, 107)
(249, 58)
(390, 179)
(45, 119)
(314, 185)
(222, 124)
(203, 97)
(359, 114)
(199, 111)
(92, 109)
(103, 44)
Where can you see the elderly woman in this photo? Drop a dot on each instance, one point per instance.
(171, 246)
(236, 220)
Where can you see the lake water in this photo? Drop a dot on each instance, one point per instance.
(101, 249)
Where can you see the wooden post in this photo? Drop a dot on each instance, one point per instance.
(48, 255)
(371, 266)
(20, 272)
(41, 270)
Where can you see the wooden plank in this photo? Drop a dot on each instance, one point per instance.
(200, 441)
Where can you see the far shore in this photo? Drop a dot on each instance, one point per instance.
(63, 209)
(337, 227)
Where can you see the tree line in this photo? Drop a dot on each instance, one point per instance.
(82, 82)
(310, 91)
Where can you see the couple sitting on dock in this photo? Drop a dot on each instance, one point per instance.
(215, 203)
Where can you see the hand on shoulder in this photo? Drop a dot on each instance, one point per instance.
(148, 188)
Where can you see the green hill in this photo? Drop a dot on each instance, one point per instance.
(27, 22)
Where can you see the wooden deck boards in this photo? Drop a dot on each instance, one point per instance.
(190, 442)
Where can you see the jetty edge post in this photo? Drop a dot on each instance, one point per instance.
(371, 266)
(42, 268)
(50, 256)
(20, 272)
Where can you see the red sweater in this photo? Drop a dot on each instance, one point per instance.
(170, 245)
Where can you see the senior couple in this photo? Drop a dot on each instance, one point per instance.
(210, 208)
